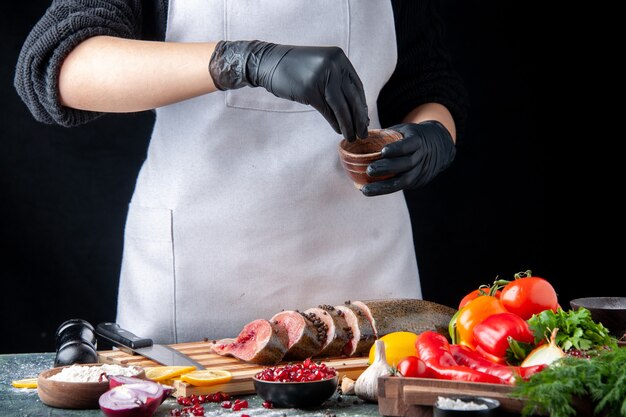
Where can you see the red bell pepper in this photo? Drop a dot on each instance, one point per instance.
(493, 334)
(508, 374)
(434, 349)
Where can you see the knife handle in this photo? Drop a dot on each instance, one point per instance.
(121, 337)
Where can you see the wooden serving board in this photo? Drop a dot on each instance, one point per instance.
(414, 397)
(242, 372)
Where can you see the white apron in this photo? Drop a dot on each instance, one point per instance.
(241, 208)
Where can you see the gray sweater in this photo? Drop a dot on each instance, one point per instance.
(423, 73)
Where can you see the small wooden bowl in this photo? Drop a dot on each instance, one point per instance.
(74, 395)
(356, 156)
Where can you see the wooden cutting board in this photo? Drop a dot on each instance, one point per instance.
(242, 372)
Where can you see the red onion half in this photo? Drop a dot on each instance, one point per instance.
(132, 397)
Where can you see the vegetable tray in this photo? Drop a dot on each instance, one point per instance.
(242, 372)
(414, 397)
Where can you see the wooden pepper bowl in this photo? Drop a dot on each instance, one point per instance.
(356, 156)
(73, 395)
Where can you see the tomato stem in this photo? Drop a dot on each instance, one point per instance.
(493, 289)
(523, 274)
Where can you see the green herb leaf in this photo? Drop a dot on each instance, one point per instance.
(577, 330)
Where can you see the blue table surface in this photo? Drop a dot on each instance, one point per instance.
(24, 402)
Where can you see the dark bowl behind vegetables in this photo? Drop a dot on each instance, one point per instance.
(610, 311)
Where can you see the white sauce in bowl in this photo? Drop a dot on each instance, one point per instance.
(80, 373)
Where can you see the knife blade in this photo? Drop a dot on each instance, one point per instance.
(126, 340)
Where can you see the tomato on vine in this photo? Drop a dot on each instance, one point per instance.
(527, 295)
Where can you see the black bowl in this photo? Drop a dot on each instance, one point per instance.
(491, 410)
(296, 394)
(610, 311)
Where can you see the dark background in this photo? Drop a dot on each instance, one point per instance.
(496, 211)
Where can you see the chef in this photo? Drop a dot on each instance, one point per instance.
(241, 208)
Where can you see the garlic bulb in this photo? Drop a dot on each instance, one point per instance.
(366, 385)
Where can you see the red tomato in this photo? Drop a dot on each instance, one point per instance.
(414, 367)
(528, 296)
(481, 291)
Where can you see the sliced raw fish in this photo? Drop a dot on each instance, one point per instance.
(363, 336)
(349, 330)
(338, 333)
(260, 342)
(304, 340)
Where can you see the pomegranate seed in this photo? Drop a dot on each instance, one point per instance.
(226, 404)
(298, 372)
(267, 404)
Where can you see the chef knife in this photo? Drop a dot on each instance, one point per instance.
(125, 340)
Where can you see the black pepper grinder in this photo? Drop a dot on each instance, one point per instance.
(75, 343)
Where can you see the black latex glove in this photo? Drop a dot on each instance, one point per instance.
(320, 76)
(426, 149)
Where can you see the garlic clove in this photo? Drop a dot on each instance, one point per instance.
(366, 385)
(347, 386)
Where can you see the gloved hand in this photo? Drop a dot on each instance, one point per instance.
(320, 76)
(426, 149)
